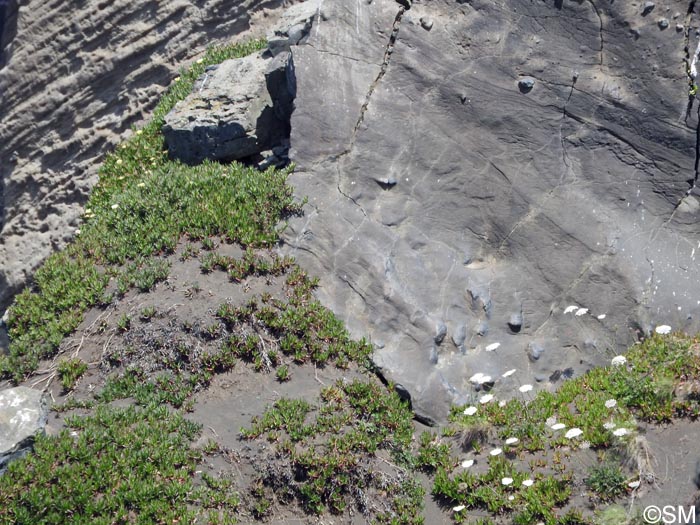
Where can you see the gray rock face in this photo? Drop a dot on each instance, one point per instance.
(580, 193)
(23, 414)
(237, 109)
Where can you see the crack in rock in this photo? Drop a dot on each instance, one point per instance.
(368, 97)
(382, 71)
(600, 31)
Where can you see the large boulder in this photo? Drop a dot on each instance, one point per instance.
(293, 27)
(497, 185)
(236, 110)
(23, 414)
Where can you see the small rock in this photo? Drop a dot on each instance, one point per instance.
(696, 476)
(555, 376)
(240, 110)
(648, 8)
(662, 23)
(23, 415)
(635, 33)
(534, 351)
(459, 335)
(440, 333)
(679, 27)
(676, 15)
(405, 3)
(525, 84)
(482, 328)
(297, 32)
(515, 323)
(426, 23)
(540, 378)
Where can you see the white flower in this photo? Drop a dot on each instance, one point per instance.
(621, 432)
(581, 311)
(492, 347)
(200, 61)
(618, 360)
(496, 451)
(512, 441)
(525, 388)
(140, 184)
(511, 498)
(572, 433)
(119, 161)
(610, 403)
(502, 403)
(633, 484)
(176, 79)
(507, 481)
(558, 426)
(115, 206)
(570, 309)
(486, 399)
(663, 329)
(480, 379)
(528, 482)
(609, 425)
(601, 317)
(467, 463)
(509, 373)
(470, 411)
(77, 232)
(459, 508)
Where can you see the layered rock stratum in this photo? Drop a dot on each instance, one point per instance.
(78, 75)
(498, 185)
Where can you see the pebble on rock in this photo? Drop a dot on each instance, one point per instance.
(534, 351)
(526, 84)
(662, 23)
(648, 8)
(426, 23)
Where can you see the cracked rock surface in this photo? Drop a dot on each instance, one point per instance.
(512, 188)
